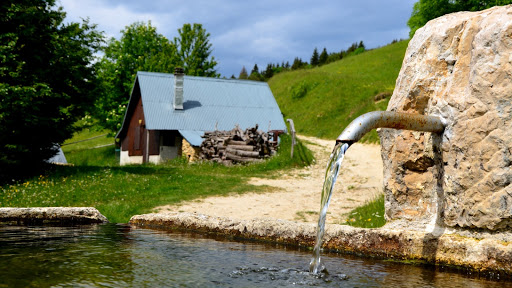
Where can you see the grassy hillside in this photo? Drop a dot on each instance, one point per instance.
(322, 101)
(90, 147)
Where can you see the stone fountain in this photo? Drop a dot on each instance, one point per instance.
(457, 67)
(448, 195)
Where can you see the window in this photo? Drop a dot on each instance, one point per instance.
(168, 139)
(136, 138)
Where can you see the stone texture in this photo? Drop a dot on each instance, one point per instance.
(458, 67)
(301, 234)
(190, 152)
(58, 216)
(484, 252)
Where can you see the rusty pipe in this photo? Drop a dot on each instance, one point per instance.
(388, 119)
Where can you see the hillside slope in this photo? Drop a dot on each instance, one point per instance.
(322, 101)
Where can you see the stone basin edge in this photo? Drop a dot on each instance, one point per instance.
(53, 216)
(477, 252)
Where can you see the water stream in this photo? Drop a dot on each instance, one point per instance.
(331, 173)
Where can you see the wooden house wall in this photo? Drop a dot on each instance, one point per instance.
(136, 139)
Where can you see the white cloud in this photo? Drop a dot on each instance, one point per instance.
(265, 31)
(110, 19)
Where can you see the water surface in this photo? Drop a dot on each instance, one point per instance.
(121, 256)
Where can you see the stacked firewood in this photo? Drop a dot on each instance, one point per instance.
(237, 146)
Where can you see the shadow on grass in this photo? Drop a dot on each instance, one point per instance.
(66, 171)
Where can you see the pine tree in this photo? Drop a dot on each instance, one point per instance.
(269, 72)
(243, 74)
(314, 58)
(323, 57)
(255, 69)
(297, 63)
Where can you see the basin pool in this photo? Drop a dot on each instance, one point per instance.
(118, 255)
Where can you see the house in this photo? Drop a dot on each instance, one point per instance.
(167, 114)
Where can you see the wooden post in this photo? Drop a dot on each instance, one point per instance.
(292, 131)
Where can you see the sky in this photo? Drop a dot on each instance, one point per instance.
(244, 33)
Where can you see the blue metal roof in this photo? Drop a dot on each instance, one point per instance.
(195, 138)
(208, 103)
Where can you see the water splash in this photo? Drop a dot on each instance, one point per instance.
(331, 173)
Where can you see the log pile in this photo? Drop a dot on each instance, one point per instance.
(237, 146)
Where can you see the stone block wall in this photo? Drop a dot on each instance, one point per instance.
(189, 152)
(457, 67)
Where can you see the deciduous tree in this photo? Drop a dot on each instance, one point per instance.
(47, 81)
(142, 48)
(194, 51)
(425, 10)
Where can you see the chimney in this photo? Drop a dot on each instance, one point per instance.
(178, 88)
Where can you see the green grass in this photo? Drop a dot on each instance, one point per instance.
(121, 192)
(90, 147)
(322, 101)
(103, 156)
(370, 215)
(80, 140)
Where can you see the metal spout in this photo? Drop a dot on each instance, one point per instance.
(388, 119)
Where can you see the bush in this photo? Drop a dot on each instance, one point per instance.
(300, 90)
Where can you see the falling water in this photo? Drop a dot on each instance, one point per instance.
(331, 173)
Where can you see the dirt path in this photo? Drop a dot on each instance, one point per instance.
(298, 197)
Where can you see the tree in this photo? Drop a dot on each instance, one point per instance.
(323, 57)
(297, 64)
(256, 77)
(140, 48)
(243, 74)
(333, 57)
(269, 72)
(352, 48)
(255, 69)
(314, 58)
(47, 81)
(426, 10)
(194, 51)
(255, 74)
(477, 5)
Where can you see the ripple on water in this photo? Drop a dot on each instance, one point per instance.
(121, 256)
